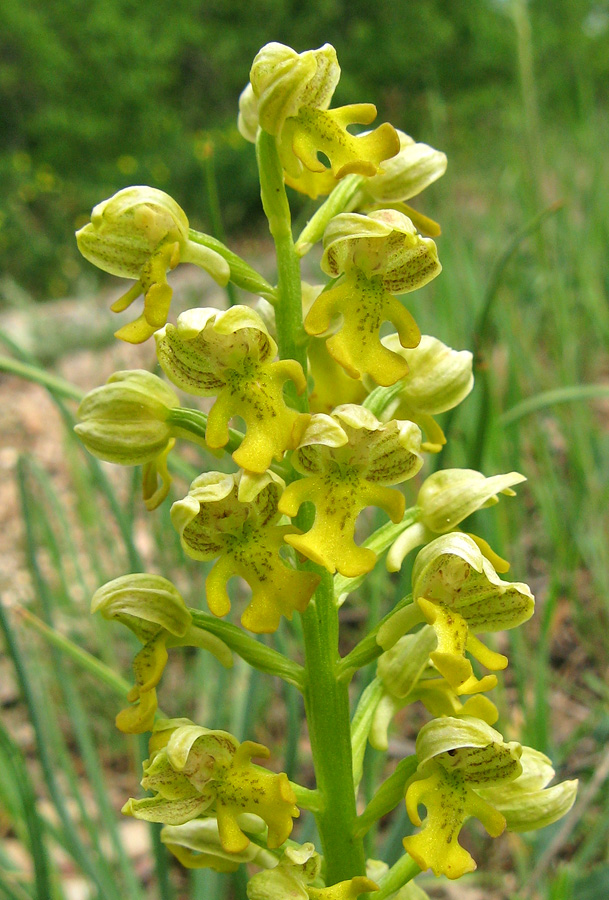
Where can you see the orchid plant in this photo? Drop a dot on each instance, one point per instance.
(337, 419)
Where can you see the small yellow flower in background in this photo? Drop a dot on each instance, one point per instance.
(230, 355)
(125, 421)
(296, 877)
(234, 517)
(349, 459)
(457, 758)
(142, 233)
(196, 844)
(153, 609)
(288, 96)
(438, 379)
(193, 770)
(457, 591)
(445, 499)
(379, 255)
(404, 176)
(408, 676)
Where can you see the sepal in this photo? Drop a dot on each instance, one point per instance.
(196, 845)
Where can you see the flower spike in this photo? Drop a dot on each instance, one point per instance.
(229, 355)
(153, 609)
(457, 757)
(195, 771)
(349, 459)
(379, 255)
(142, 233)
(288, 96)
(234, 517)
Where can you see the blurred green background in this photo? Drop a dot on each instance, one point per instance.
(99, 94)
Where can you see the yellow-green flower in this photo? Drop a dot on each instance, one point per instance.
(142, 233)
(229, 355)
(457, 591)
(458, 758)
(288, 96)
(234, 517)
(349, 459)
(297, 877)
(407, 676)
(194, 771)
(445, 499)
(153, 609)
(377, 256)
(438, 379)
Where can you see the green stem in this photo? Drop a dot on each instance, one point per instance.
(398, 875)
(326, 699)
(336, 203)
(241, 273)
(327, 711)
(288, 310)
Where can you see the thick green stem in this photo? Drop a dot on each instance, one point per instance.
(327, 711)
(326, 699)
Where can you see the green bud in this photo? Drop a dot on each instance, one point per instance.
(125, 420)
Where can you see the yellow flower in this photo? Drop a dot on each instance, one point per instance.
(229, 355)
(457, 591)
(196, 844)
(288, 96)
(445, 499)
(379, 255)
(142, 233)
(153, 609)
(438, 379)
(234, 517)
(349, 459)
(457, 758)
(196, 771)
(407, 676)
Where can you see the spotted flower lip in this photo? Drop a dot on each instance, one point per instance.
(289, 96)
(229, 355)
(154, 610)
(349, 459)
(457, 591)
(445, 499)
(142, 233)
(458, 758)
(195, 771)
(234, 518)
(378, 256)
